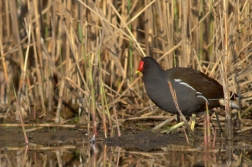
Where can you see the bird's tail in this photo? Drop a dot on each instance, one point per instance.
(232, 103)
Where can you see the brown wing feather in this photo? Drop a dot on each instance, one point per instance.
(199, 81)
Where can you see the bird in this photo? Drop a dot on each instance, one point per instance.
(193, 88)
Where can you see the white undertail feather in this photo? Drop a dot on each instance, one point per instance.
(232, 104)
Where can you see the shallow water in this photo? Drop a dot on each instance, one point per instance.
(68, 147)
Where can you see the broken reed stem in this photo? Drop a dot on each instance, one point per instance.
(174, 97)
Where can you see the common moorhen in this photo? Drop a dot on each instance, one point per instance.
(193, 88)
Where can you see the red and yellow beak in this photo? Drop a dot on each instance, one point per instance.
(140, 67)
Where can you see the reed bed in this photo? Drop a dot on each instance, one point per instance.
(74, 61)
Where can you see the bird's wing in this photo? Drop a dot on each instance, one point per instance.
(208, 87)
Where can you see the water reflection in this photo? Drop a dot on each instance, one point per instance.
(100, 154)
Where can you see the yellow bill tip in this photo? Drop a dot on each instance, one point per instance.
(138, 72)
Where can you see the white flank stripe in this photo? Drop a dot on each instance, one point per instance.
(177, 80)
(203, 97)
(199, 93)
(183, 83)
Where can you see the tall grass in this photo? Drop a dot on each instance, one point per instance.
(63, 54)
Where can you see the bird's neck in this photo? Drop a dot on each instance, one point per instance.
(154, 74)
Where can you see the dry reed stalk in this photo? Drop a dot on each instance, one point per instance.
(60, 100)
(185, 41)
(45, 125)
(224, 64)
(38, 53)
(21, 119)
(117, 123)
(207, 131)
(3, 61)
(174, 97)
(167, 120)
(15, 30)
